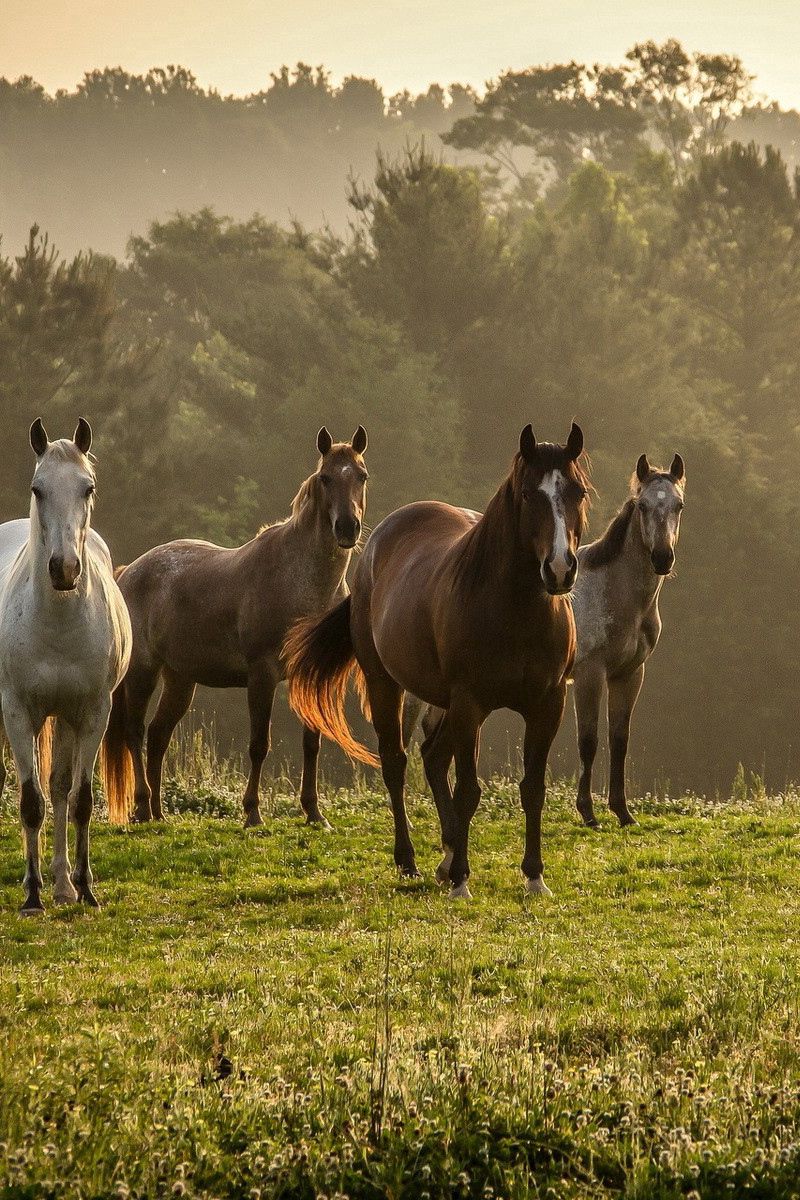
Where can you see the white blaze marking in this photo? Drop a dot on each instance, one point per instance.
(552, 486)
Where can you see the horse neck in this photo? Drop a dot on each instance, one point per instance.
(311, 531)
(494, 551)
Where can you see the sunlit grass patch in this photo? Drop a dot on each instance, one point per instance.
(278, 1015)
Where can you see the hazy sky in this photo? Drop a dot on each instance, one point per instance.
(234, 44)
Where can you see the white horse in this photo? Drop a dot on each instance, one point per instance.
(65, 641)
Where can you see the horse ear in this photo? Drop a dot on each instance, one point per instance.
(642, 468)
(38, 436)
(575, 442)
(527, 444)
(677, 470)
(359, 440)
(83, 436)
(324, 441)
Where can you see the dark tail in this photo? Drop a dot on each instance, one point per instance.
(116, 762)
(320, 660)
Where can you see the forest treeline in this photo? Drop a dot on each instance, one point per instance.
(612, 254)
(94, 164)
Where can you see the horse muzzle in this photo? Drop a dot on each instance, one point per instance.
(64, 574)
(346, 533)
(663, 561)
(559, 580)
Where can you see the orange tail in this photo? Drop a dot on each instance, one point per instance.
(320, 660)
(44, 752)
(116, 763)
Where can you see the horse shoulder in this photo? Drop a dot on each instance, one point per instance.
(593, 614)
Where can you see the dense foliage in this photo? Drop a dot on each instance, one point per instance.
(643, 276)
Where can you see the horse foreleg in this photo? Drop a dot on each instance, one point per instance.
(60, 782)
(260, 695)
(3, 745)
(21, 736)
(175, 700)
(464, 722)
(588, 689)
(309, 795)
(622, 696)
(541, 726)
(81, 798)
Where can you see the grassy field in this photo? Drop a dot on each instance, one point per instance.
(276, 1014)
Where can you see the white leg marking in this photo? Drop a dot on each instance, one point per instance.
(537, 887)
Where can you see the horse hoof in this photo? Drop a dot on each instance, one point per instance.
(624, 818)
(252, 820)
(590, 822)
(320, 822)
(87, 897)
(141, 818)
(32, 909)
(461, 892)
(537, 887)
(67, 896)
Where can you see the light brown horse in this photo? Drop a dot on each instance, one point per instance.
(205, 614)
(470, 614)
(618, 622)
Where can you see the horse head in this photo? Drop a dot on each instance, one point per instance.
(554, 491)
(342, 484)
(62, 490)
(659, 501)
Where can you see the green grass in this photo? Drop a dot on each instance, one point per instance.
(276, 1014)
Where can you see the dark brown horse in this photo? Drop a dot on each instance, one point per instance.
(205, 614)
(470, 614)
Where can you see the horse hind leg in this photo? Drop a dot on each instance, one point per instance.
(309, 794)
(139, 686)
(175, 699)
(386, 703)
(588, 690)
(622, 696)
(260, 696)
(64, 891)
(437, 754)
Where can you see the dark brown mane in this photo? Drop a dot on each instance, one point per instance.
(609, 546)
(486, 553)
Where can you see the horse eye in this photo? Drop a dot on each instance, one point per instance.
(90, 491)
(37, 492)
(325, 479)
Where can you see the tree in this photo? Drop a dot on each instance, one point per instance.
(556, 114)
(689, 100)
(426, 253)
